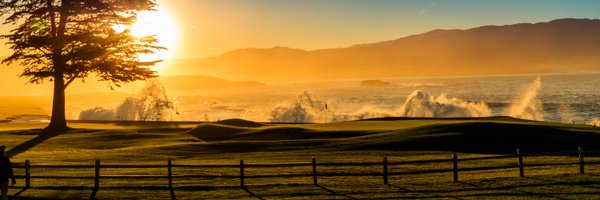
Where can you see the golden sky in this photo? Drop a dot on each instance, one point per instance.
(204, 28)
(201, 28)
(212, 27)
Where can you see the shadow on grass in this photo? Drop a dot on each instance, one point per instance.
(18, 193)
(252, 193)
(511, 191)
(334, 193)
(429, 194)
(172, 192)
(200, 188)
(480, 137)
(584, 184)
(94, 192)
(457, 191)
(42, 136)
(23, 189)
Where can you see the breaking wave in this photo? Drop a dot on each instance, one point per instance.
(308, 108)
(98, 113)
(566, 114)
(420, 104)
(151, 104)
(527, 105)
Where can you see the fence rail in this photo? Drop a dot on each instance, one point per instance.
(384, 173)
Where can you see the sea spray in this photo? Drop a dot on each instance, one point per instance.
(366, 112)
(566, 114)
(98, 113)
(306, 108)
(421, 104)
(527, 105)
(309, 108)
(151, 104)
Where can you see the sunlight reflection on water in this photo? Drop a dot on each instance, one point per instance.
(347, 98)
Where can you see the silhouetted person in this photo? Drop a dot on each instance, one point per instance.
(5, 173)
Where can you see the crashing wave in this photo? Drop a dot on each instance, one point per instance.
(306, 108)
(152, 104)
(527, 105)
(420, 104)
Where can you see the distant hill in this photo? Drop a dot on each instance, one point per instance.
(192, 82)
(564, 45)
(374, 83)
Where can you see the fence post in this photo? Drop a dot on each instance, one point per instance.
(314, 169)
(27, 174)
(97, 176)
(385, 170)
(455, 166)
(242, 173)
(581, 168)
(521, 170)
(170, 174)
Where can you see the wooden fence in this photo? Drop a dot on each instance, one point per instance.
(384, 174)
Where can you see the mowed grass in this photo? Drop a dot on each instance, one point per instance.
(228, 141)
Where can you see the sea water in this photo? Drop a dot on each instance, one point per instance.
(568, 98)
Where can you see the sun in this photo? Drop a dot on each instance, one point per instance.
(160, 24)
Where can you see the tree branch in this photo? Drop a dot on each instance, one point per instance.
(52, 18)
(70, 81)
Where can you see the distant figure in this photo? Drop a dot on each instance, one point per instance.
(5, 173)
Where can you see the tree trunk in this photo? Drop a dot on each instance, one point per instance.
(58, 120)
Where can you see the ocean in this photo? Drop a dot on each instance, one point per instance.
(568, 98)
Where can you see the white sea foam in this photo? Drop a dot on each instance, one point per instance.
(348, 101)
(309, 108)
(421, 104)
(306, 108)
(151, 104)
(566, 114)
(527, 105)
(98, 113)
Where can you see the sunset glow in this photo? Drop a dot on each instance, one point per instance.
(160, 24)
(375, 95)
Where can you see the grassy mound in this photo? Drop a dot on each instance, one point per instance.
(491, 118)
(111, 139)
(213, 132)
(239, 123)
(480, 136)
(475, 135)
(150, 141)
(293, 133)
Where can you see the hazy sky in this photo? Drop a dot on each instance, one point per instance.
(211, 27)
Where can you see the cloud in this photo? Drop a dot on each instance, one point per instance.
(424, 11)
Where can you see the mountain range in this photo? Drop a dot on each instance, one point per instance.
(563, 45)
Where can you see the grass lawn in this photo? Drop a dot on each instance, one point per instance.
(228, 141)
